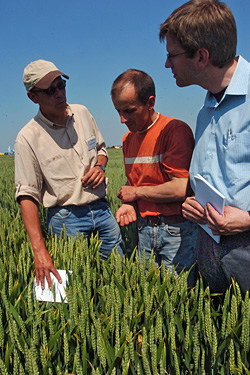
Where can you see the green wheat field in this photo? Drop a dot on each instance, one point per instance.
(122, 317)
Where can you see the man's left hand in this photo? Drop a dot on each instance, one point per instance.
(233, 220)
(127, 193)
(125, 215)
(93, 178)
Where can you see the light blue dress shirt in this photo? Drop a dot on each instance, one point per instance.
(222, 140)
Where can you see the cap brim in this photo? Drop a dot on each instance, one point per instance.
(46, 81)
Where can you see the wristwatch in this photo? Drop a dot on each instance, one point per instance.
(101, 166)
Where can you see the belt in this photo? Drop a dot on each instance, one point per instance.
(101, 200)
(74, 206)
(157, 220)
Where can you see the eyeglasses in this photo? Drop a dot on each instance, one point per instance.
(52, 89)
(169, 56)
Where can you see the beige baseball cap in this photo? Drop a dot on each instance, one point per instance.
(40, 73)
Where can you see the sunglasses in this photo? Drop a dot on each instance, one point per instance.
(52, 89)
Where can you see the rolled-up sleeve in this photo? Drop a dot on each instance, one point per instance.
(100, 143)
(28, 177)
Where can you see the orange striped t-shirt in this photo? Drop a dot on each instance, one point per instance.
(152, 156)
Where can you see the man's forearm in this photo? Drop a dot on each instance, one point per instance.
(171, 191)
(102, 160)
(30, 216)
(174, 190)
(42, 259)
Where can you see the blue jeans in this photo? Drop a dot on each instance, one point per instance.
(88, 219)
(174, 244)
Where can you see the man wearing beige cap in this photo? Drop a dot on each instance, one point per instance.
(60, 160)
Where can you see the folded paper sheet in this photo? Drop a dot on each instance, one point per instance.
(57, 292)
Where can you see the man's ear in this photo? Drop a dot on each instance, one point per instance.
(33, 97)
(151, 102)
(202, 58)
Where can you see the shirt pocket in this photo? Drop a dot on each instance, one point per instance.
(237, 147)
(58, 172)
(235, 157)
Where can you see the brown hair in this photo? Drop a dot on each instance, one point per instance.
(207, 24)
(142, 82)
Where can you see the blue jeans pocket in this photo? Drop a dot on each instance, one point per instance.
(59, 213)
(179, 230)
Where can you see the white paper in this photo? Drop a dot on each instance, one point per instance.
(206, 193)
(47, 295)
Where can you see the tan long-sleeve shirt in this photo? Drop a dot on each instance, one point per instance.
(51, 159)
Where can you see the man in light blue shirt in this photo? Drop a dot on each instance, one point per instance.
(201, 43)
(223, 140)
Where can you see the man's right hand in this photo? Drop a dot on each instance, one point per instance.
(43, 267)
(193, 211)
(125, 215)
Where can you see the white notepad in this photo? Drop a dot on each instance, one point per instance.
(206, 193)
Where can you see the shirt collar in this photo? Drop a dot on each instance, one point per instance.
(239, 82)
(150, 126)
(237, 86)
(52, 124)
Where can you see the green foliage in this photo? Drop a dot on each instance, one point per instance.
(116, 175)
(120, 317)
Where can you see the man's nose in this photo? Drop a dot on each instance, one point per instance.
(168, 63)
(59, 92)
(123, 118)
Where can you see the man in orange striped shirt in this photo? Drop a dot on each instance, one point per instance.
(157, 152)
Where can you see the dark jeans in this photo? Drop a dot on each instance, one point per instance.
(219, 263)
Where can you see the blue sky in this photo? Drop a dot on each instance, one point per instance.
(93, 41)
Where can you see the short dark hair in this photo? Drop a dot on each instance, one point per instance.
(207, 24)
(142, 82)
